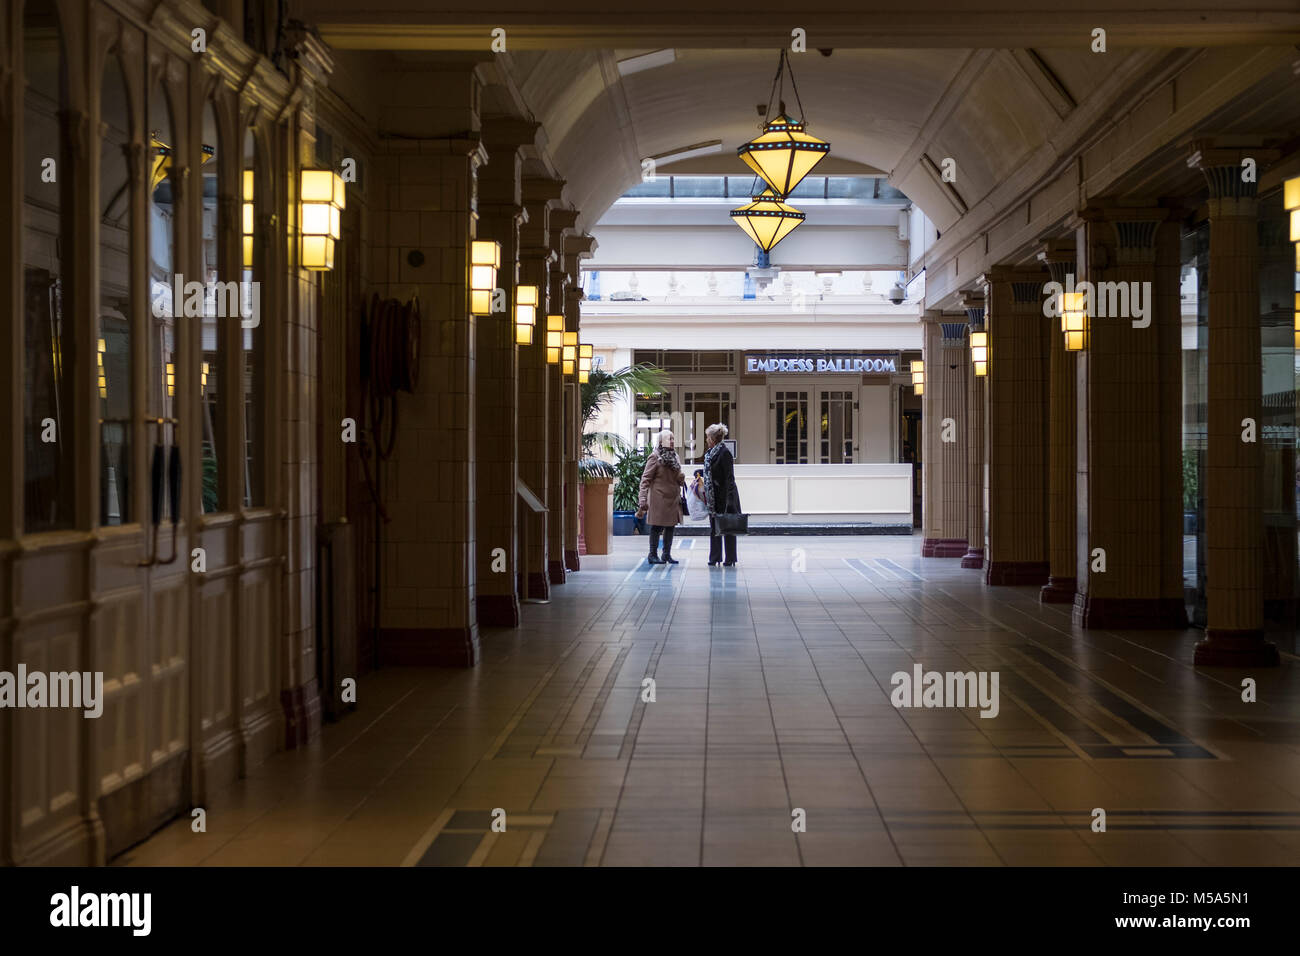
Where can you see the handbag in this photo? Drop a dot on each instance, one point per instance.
(681, 503)
(730, 524)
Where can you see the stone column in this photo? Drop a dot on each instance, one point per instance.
(931, 483)
(947, 380)
(974, 556)
(500, 210)
(1058, 256)
(1129, 478)
(572, 427)
(555, 527)
(1234, 529)
(428, 608)
(1016, 387)
(535, 453)
(576, 248)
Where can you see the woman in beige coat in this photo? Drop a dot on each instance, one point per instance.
(659, 496)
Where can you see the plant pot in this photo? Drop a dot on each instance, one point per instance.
(624, 522)
(597, 515)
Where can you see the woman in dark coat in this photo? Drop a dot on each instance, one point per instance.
(720, 492)
(660, 492)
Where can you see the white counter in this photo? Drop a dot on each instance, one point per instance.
(780, 494)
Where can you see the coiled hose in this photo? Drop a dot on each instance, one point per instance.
(390, 362)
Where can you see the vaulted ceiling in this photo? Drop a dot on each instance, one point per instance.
(900, 111)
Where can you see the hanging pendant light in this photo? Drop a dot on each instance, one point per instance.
(767, 219)
(784, 153)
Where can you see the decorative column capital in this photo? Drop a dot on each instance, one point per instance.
(973, 303)
(1231, 171)
(508, 132)
(1009, 275)
(1134, 229)
(1059, 257)
(310, 52)
(564, 219)
(954, 331)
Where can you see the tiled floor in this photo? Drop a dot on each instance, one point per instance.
(772, 695)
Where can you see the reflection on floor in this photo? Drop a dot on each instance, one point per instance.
(771, 685)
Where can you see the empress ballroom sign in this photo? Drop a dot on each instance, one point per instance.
(831, 364)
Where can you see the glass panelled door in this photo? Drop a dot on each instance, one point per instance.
(789, 411)
(700, 410)
(836, 428)
(653, 414)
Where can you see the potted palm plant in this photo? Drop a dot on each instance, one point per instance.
(628, 471)
(598, 474)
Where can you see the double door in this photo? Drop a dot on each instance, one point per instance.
(685, 410)
(812, 424)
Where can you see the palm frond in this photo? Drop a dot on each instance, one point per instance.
(590, 467)
(607, 443)
(602, 388)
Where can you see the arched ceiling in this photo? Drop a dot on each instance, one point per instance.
(901, 111)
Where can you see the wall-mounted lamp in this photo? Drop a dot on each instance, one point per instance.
(1291, 200)
(569, 358)
(918, 377)
(979, 352)
(525, 313)
(554, 338)
(247, 219)
(203, 379)
(484, 261)
(103, 379)
(1074, 321)
(584, 363)
(1297, 317)
(322, 197)
(171, 380)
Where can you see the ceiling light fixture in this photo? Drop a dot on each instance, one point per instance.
(767, 219)
(784, 153)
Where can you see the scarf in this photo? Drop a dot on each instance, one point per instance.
(708, 476)
(669, 457)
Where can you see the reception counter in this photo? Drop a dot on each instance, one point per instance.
(785, 494)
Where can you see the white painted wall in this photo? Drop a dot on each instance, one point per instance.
(875, 407)
(751, 426)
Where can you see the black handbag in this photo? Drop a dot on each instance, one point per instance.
(730, 524)
(681, 503)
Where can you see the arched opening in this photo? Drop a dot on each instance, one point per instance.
(163, 370)
(212, 420)
(113, 342)
(49, 347)
(255, 184)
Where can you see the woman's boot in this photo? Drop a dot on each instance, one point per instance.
(668, 547)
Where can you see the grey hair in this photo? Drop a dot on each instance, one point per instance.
(715, 433)
(664, 435)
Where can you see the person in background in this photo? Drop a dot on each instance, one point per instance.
(660, 495)
(720, 492)
(696, 504)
